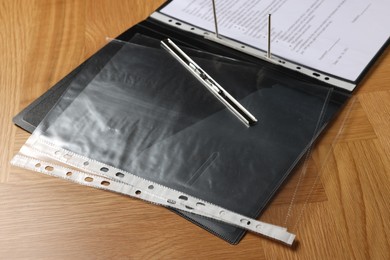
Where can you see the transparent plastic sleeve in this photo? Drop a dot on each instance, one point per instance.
(142, 112)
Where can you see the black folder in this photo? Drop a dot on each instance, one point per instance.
(310, 102)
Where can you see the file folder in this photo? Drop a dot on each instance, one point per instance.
(314, 92)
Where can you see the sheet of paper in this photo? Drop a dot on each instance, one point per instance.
(338, 37)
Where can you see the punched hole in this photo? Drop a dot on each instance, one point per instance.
(170, 201)
(200, 204)
(150, 187)
(38, 165)
(192, 28)
(182, 197)
(316, 74)
(298, 68)
(138, 192)
(178, 23)
(85, 163)
(245, 221)
(120, 175)
(67, 156)
(49, 168)
(188, 207)
(69, 174)
(104, 169)
(88, 179)
(326, 78)
(105, 183)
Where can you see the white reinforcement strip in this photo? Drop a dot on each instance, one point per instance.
(95, 174)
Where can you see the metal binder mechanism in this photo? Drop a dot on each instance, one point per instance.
(232, 104)
(216, 37)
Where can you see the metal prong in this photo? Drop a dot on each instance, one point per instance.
(215, 19)
(269, 37)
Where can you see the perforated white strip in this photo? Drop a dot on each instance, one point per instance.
(254, 52)
(98, 175)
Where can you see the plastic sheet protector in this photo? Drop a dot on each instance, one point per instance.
(141, 113)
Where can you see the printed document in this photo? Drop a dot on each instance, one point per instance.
(338, 37)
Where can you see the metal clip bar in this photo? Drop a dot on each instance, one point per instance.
(232, 104)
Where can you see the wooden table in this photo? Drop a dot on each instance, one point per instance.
(44, 217)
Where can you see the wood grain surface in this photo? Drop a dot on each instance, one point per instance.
(347, 215)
